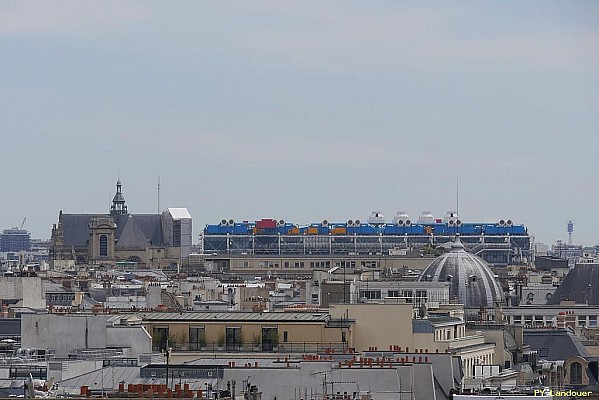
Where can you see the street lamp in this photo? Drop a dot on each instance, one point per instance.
(167, 356)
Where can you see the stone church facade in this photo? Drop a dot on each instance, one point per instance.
(121, 239)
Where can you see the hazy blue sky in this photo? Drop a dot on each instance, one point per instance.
(302, 110)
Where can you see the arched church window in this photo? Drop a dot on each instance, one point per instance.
(103, 246)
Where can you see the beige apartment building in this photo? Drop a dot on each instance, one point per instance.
(392, 326)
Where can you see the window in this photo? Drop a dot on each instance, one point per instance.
(103, 246)
(286, 264)
(270, 338)
(575, 373)
(159, 338)
(392, 293)
(177, 233)
(197, 337)
(370, 294)
(285, 336)
(232, 338)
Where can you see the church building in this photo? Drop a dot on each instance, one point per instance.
(121, 239)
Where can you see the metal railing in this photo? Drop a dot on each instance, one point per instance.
(281, 347)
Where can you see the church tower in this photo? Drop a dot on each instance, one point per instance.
(118, 202)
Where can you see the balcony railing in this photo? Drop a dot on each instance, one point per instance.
(281, 347)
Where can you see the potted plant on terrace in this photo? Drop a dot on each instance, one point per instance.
(184, 341)
(256, 341)
(173, 340)
(240, 341)
(220, 340)
(203, 341)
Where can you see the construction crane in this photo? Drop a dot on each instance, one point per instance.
(23, 223)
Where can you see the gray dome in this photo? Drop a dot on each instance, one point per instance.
(472, 281)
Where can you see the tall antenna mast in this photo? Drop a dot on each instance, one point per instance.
(158, 194)
(570, 231)
(457, 197)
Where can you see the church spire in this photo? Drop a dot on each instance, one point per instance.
(118, 202)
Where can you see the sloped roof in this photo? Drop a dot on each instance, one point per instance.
(10, 326)
(179, 213)
(581, 285)
(234, 316)
(76, 228)
(556, 344)
(139, 230)
(131, 235)
(132, 230)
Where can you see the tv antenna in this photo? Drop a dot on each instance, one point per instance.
(158, 190)
(457, 197)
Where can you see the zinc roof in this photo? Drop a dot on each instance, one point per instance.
(235, 316)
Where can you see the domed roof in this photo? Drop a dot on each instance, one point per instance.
(472, 281)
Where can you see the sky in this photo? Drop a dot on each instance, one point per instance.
(302, 111)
